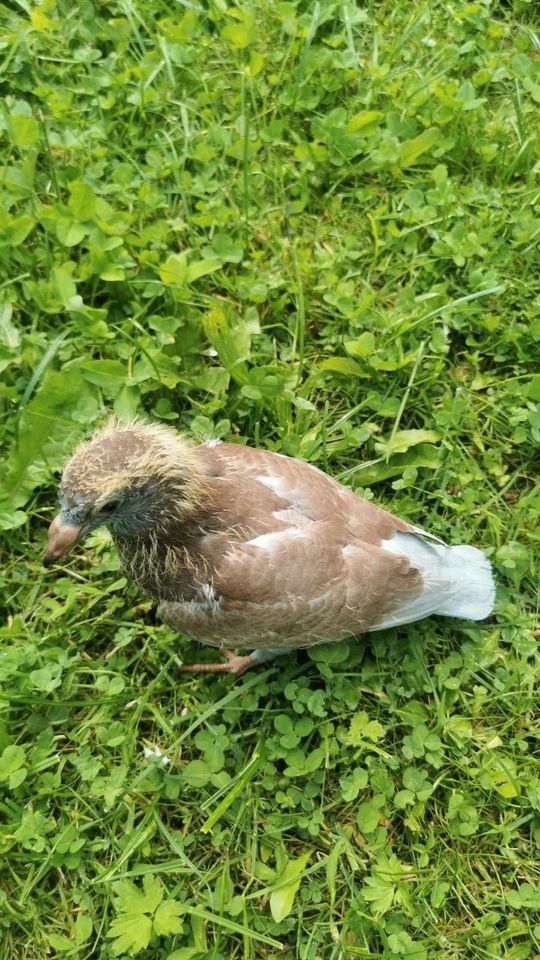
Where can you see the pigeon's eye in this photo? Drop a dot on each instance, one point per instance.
(110, 506)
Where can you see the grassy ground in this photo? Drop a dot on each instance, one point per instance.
(313, 227)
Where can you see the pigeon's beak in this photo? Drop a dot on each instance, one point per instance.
(61, 538)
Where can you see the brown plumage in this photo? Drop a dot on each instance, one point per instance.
(248, 548)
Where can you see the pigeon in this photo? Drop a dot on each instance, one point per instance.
(244, 548)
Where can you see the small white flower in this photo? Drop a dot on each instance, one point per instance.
(156, 752)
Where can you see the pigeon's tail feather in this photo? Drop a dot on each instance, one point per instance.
(458, 581)
(473, 594)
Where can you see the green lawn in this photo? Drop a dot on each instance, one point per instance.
(312, 227)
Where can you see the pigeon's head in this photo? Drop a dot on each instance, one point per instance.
(132, 477)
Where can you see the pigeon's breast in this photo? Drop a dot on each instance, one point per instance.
(161, 570)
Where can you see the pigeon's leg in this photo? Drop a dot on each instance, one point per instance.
(234, 664)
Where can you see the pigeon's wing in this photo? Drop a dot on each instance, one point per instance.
(307, 584)
(297, 556)
(293, 588)
(259, 483)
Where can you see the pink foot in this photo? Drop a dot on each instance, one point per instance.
(235, 664)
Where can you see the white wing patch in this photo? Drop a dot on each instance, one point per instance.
(277, 485)
(292, 517)
(350, 550)
(272, 541)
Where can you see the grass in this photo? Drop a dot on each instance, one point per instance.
(313, 227)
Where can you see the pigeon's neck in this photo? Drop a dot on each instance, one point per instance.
(162, 562)
(159, 547)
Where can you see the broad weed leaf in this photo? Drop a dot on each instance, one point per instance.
(166, 918)
(16, 230)
(9, 334)
(282, 896)
(11, 760)
(403, 440)
(368, 817)
(232, 345)
(174, 272)
(110, 375)
(82, 202)
(132, 899)
(411, 150)
(131, 933)
(240, 35)
(199, 268)
(24, 131)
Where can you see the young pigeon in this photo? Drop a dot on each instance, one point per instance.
(247, 548)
